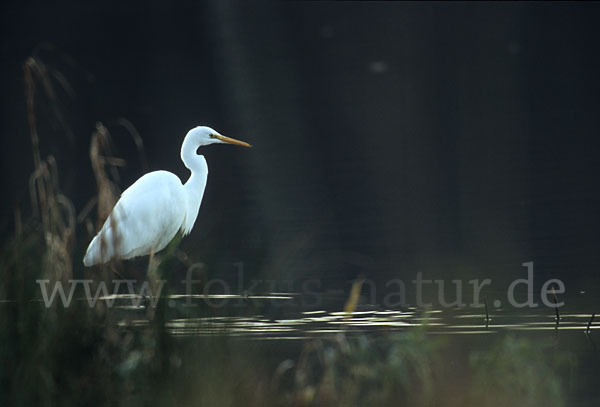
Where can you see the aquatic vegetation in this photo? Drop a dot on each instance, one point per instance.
(367, 370)
(522, 371)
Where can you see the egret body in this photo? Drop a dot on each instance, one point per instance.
(152, 210)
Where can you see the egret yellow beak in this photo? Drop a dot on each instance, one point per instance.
(232, 141)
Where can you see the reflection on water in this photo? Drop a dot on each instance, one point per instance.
(188, 317)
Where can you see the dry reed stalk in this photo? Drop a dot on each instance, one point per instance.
(56, 212)
(105, 167)
(102, 164)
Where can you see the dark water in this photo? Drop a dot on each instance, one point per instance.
(457, 349)
(518, 337)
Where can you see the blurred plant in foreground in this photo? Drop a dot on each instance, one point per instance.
(521, 372)
(366, 370)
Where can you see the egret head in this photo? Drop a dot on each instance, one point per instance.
(203, 135)
(198, 137)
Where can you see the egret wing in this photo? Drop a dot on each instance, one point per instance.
(146, 217)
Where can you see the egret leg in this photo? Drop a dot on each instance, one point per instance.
(152, 271)
(116, 273)
(151, 258)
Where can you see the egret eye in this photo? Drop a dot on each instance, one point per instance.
(212, 135)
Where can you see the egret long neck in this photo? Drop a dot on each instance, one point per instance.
(194, 191)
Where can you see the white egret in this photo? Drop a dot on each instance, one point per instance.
(152, 210)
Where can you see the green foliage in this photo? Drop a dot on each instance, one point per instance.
(362, 370)
(521, 372)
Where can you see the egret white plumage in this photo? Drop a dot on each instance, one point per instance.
(152, 210)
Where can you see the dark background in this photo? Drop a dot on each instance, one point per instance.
(454, 139)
